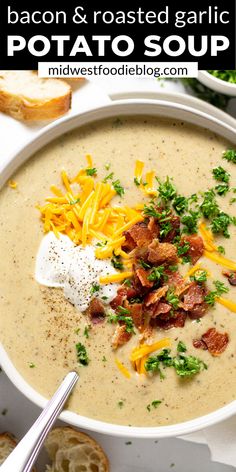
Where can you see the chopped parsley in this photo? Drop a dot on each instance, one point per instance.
(220, 224)
(230, 155)
(151, 211)
(182, 248)
(118, 187)
(222, 189)
(221, 174)
(181, 347)
(91, 171)
(211, 297)
(107, 166)
(144, 264)
(221, 249)
(121, 316)
(190, 222)
(137, 181)
(86, 331)
(108, 177)
(31, 365)
(199, 276)
(165, 228)
(127, 282)
(94, 289)
(73, 202)
(101, 243)
(226, 75)
(173, 268)
(116, 262)
(172, 299)
(82, 355)
(180, 204)
(156, 273)
(209, 207)
(166, 190)
(187, 366)
(104, 359)
(154, 404)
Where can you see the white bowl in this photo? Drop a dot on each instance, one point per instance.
(221, 86)
(161, 108)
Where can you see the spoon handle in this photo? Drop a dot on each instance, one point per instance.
(25, 453)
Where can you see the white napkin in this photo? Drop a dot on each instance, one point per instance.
(221, 440)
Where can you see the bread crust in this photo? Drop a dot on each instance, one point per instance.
(26, 109)
(63, 439)
(8, 442)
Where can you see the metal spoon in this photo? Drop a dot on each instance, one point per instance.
(25, 453)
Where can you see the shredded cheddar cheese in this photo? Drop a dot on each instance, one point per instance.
(109, 279)
(145, 349)
(207, 238)
(227, 303)
(220, 260)
(122, 369)
(12, 184)
(83, 212)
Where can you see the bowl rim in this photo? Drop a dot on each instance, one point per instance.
(48, 134)
(219, 85)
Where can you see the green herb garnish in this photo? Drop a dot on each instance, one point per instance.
(209, 207)
(199, 276)
(82, 355)
(220, 224)
(221, 249)
(86, 331)
(116, 262)
(182, 248)
(222, 189)
(156, 273)
(166, 190)
(91, 171)
(230, 155)
(187, 366)
(95, 288)
(190, 222)
(153, 404)
(221, 174)
(108, 177)
(118, 188)
(180, 204)
(172, 298)
(181, 347)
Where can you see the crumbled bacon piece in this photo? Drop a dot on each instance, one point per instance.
(153, 226)
(198, 311)
(194, 296)
(120, 336)
(199, 344)
(136, 313)
(176, 281)
(214, 341)
(175, 224)
(96, 311)
(159, 253)
(139, 235)
(156, 295)
(142, 275)
(231, 276)
(161, 308)
(123, 293)
(167, 321)
(196, 247)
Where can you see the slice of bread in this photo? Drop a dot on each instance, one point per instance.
(7, 443)
(71, 450)
(25, 96)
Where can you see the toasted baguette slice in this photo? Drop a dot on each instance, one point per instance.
(25, 96)
(71, 450)
(7, 444)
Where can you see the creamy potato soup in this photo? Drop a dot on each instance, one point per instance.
(164, 351)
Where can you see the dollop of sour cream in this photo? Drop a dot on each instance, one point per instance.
(75, 269)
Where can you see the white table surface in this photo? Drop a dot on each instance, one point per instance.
(16, 412)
